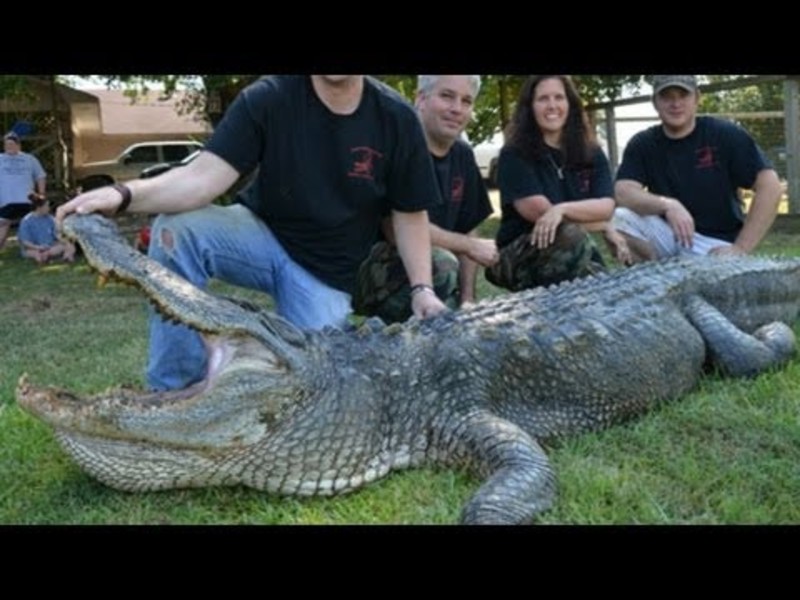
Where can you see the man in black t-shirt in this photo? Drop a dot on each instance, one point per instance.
(334, 154)
(677, 188)
(444, 104)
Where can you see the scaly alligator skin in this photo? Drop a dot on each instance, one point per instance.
(323, 413)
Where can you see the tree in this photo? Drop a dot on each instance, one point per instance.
(499, 94)
(207, 95)
(13, 88)
(24, 109)
(212, 94)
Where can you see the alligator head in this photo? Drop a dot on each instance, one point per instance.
(251, 382)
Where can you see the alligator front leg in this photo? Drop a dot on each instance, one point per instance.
(519, 480)
(738, 353)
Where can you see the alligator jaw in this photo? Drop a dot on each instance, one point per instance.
(133, 440)
(254, 359)
(109, 253)
(213, 413)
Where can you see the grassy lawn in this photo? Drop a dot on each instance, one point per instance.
(726, 453)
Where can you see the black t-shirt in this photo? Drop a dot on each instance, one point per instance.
(324, 180)
(702, 170)
(464, 202)
(520, 178)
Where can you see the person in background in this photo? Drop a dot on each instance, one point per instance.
(20, 175)
(677, 188)
(333, 154)
(37, 235)
(555, 187)
(444, 104)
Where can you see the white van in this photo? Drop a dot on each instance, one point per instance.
(486, 154)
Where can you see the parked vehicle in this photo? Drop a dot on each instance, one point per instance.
(226, 198)
(486, 154)
(163, 167)
(130, 163)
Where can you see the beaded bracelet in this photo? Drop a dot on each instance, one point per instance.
(419, 287)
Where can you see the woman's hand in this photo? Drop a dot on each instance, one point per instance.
(544, 230)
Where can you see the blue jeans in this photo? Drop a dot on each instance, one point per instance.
(234, 245)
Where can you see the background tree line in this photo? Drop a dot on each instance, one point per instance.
(210, 95)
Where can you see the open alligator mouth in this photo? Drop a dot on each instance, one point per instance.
(221, 354)
(243, 384)
(174, 297)
(241, 340)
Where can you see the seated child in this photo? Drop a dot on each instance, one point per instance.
(37, 234)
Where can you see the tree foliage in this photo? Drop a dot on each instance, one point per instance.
(12, 86)
(212, 94)
(207, 95)
(499, 94)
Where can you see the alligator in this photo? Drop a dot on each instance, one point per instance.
(321, 413)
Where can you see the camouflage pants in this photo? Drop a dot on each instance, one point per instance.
(522, 266)
(383, 289)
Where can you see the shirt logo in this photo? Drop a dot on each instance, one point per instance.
(706, 158)
(457, 189)
(584, 180)
(363, 162)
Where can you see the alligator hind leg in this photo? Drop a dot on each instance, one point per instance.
(735, 351)
(520, 482)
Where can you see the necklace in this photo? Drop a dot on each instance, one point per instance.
(559, 170)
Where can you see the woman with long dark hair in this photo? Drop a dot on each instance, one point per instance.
(555, 185)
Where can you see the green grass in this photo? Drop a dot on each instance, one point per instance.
(726, 453)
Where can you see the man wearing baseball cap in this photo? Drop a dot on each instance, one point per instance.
(20, 174)
(677, 189)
